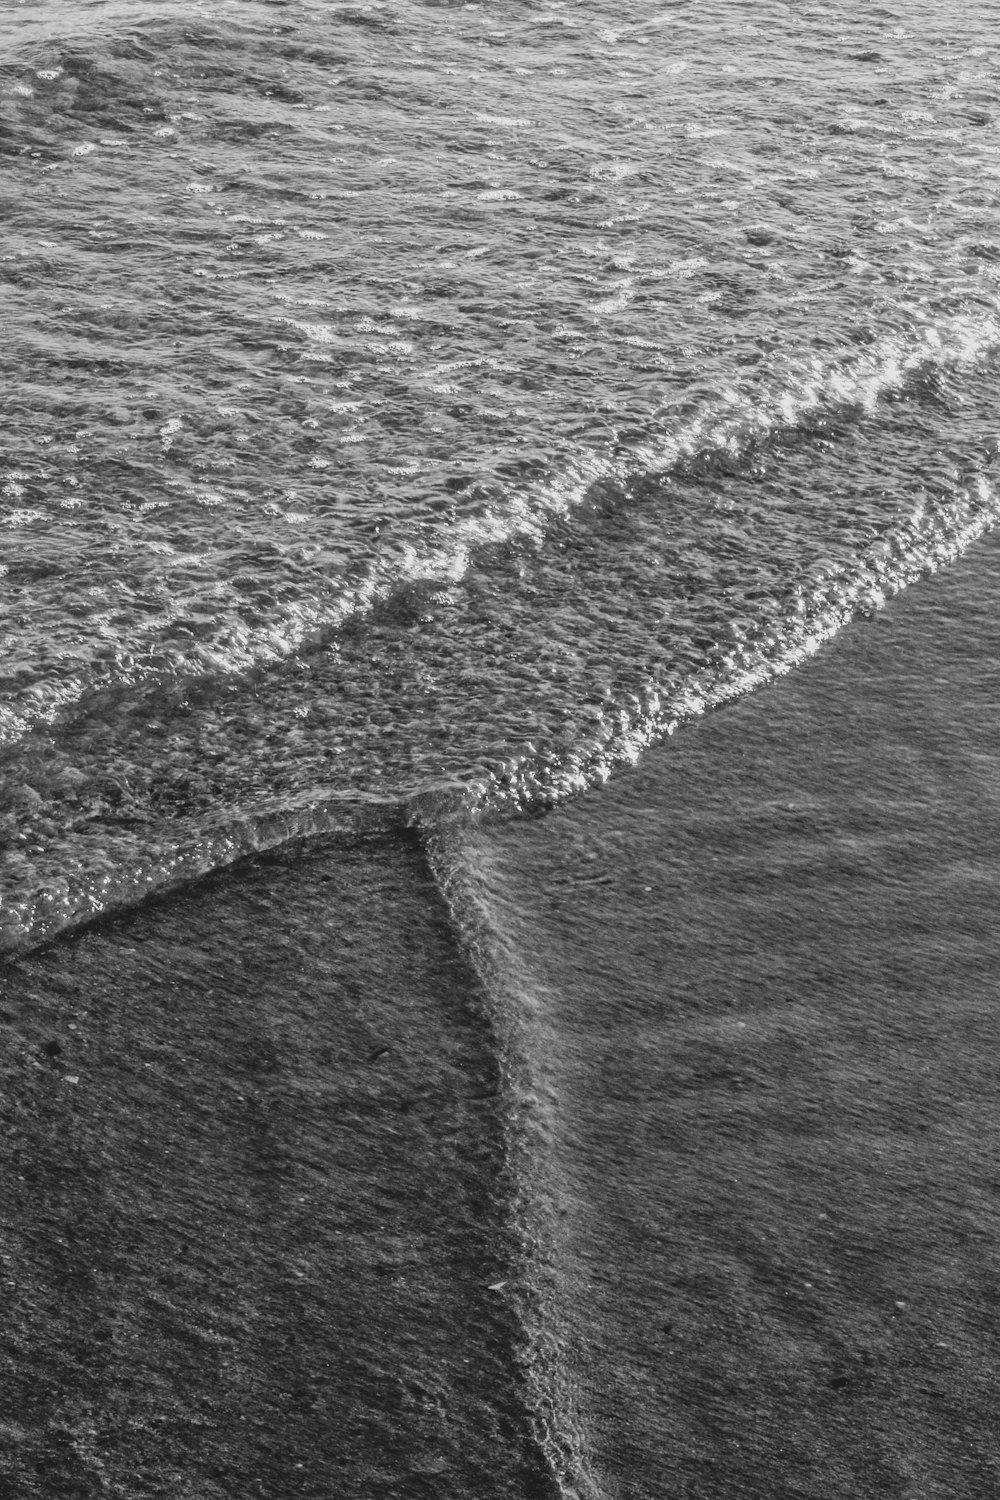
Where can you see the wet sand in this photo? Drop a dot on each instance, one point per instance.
(252, 1199)
(768, 969)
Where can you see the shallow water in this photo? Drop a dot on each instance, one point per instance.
(415, 396)
(414, 413)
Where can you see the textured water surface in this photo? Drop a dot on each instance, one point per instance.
(416, 395)
(414, 412)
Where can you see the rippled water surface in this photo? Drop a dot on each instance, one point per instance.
(410, 397)
(411, 413)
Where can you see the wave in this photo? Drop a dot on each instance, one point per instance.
(722, 428)
(109, 862)
(913, 549)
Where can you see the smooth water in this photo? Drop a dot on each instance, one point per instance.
(413, 412)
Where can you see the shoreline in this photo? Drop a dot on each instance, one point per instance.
(257, 1128)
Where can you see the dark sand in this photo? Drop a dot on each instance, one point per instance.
(252, 1192)
(252, 1199)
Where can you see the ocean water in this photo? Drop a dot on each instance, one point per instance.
(414, 414)
(429, 399)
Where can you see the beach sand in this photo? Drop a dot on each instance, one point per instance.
(253, 1184)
